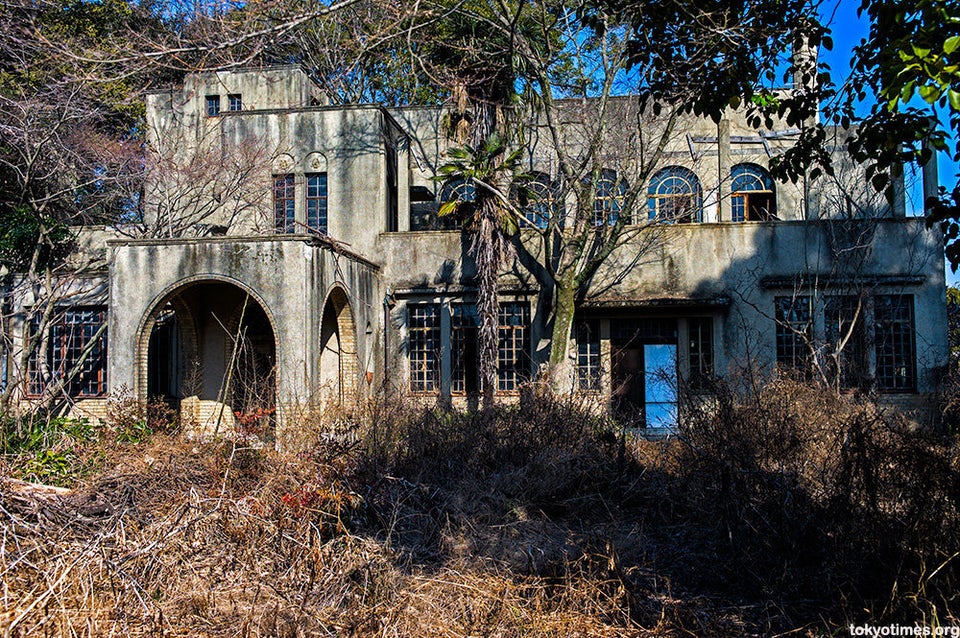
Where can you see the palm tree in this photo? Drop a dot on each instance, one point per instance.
(482, 179)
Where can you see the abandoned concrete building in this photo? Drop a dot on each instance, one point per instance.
(308, 235)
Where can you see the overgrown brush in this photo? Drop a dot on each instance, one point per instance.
(790, 509)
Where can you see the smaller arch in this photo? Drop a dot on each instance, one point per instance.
(675, 196)
(315, 162)
(283, 163)
(339, 355)
(752, 194)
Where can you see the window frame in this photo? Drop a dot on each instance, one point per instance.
(424, 363)
(538, 200)
(319, 200)
(213, 106)
(589, 356)
(284, 203)
(794, 332)
(464, 336)
(700, 355)
(657, 198)
(839, 311)
(895, 333)
(234, 102)
(751, 181)
(513, 345)
(609, 196)
(61, 350)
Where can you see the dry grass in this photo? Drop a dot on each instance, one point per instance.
(789, 511)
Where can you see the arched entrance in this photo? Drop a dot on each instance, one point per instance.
(338, 348)
(209, 348)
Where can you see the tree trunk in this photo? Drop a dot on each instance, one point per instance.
(488, 250)
(560, 373)
(487, 253)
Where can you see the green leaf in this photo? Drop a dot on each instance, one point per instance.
(954, 97)
(950, 44)
(930, 94)
(447, 208)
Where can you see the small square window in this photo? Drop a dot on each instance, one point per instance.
(213, 105)
(235, 102)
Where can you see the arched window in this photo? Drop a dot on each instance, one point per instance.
(462, 191)
(608, 198)
(752, 195)
(538, 199)
(459, 190)
(675, 196)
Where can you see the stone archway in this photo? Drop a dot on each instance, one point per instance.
(338, 365)
(209, 347)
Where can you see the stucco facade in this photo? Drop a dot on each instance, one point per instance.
(308, 234)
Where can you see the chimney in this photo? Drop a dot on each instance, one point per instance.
(805, 57)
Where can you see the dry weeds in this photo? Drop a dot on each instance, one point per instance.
(771, 515)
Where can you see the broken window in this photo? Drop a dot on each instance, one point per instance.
(464, 349)
(538, 200)
(74, 344)
(752, 197)
(462, 191)
(845, 335)
(284, 203)
(675, 196)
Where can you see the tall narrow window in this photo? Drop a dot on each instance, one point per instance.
(284, 203)
(894, 342)
(393, 192)
(76, 335)
(424, 347)
(675, 196)
(608, 201)
(844, 332)
(235, 102)
(513, 358)
(589, 372)
(464, 349)
(752, 197)
(213, 105)
(794, 332)
(317, 202)
(700, 330)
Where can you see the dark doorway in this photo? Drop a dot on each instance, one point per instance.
(165, 363)
(644, 372)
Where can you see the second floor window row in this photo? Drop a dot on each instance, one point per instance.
(314, 193)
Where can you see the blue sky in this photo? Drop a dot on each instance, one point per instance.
(848, 29)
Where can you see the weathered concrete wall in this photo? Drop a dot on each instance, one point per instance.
(746, 264)
(289, 277)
